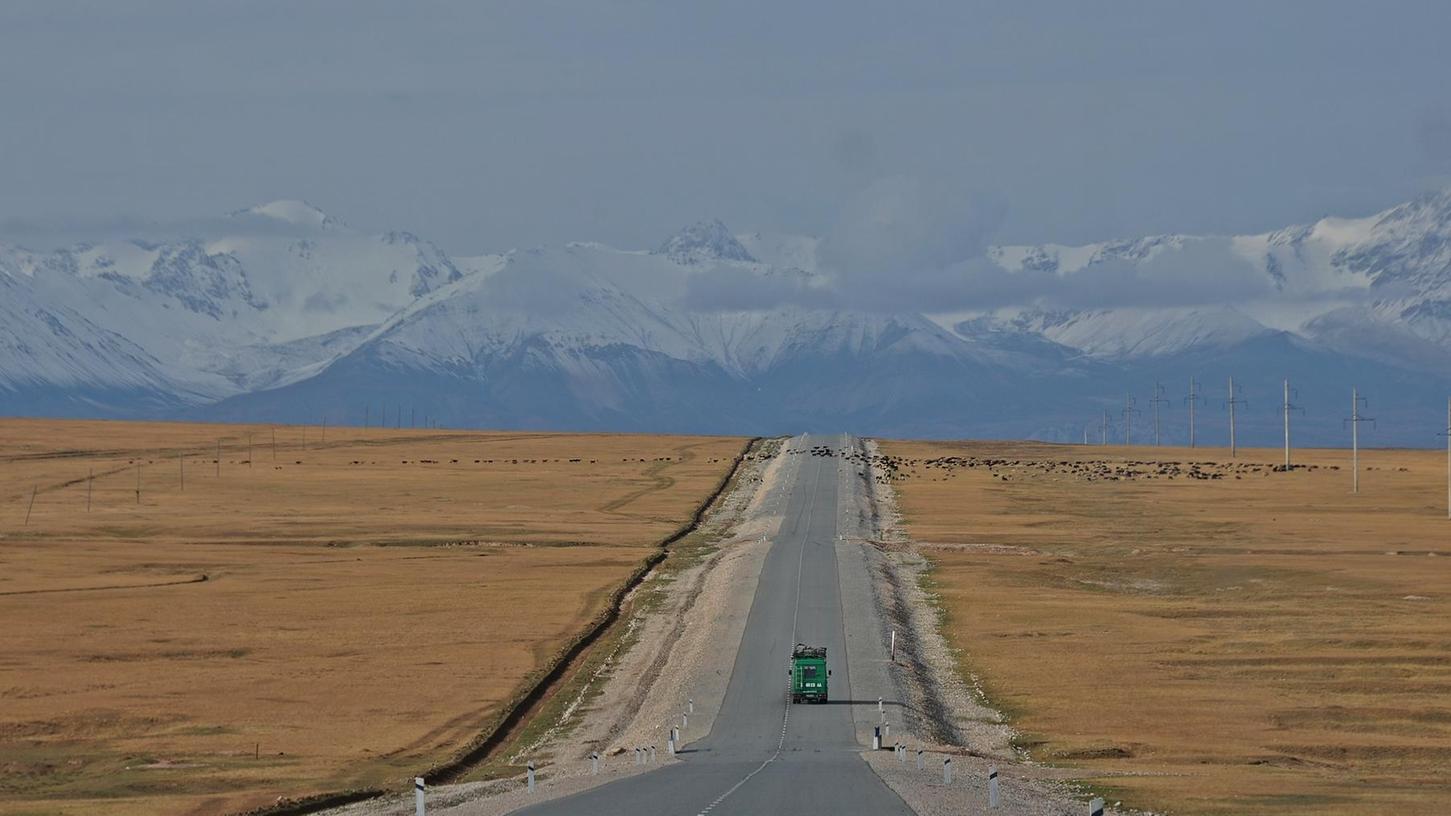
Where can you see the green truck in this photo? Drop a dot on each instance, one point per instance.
(809, 674)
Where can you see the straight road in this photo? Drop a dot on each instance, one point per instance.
(765, 755)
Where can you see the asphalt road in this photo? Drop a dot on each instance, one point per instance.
(765, 755)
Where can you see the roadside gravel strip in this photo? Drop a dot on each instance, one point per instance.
(679, 650)
(941, 713)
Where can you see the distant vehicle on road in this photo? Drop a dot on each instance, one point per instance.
(809, 674)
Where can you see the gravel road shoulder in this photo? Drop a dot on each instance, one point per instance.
(940, 712)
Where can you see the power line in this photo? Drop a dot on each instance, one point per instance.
(1128, 413)
(1287, 407)
(1156, 402)
(1356, 401)
(1230, 403)
(1192, 400)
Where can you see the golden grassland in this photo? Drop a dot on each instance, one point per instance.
(1234, 639)
(369, 600)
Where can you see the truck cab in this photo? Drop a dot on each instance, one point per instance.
(809, 674)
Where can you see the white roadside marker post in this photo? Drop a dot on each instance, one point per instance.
(594, 764)
(652, 755)
(880, 709)
(684, 721)
(418, 805)
(992, 786)
(947, 770)
(531, 777)
(894, 645)
(920, 766)
(1095, 808)
(675, 735)
(886, 732)
(670, 747)
(876, 738)
(690, 706)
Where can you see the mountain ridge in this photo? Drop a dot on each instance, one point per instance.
(710, 331)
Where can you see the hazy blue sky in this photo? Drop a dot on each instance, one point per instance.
(492, 125)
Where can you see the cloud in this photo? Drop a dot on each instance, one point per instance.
(904, 231)
(906, 244)
(739, 288)
(59, 231)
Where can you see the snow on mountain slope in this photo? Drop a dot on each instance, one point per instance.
(235, 311)
(290, 313)
(704, 241)
(45, 348)
(592, 337)
(1381, 283)
(1137, 332)
(588, 295)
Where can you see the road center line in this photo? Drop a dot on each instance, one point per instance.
(795, 616)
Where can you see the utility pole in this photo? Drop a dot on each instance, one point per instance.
(1104, 438)
(1287, 407)
(1192, 400)
(1356, 400)
(1231, 402)
(1446, 434)
(1128, 412)
(1157, 401)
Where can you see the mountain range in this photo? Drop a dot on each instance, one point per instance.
(285, 314)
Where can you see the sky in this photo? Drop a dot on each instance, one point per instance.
(491, 125)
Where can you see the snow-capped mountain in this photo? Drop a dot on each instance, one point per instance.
(1378, 286)
(287, 313)
(277, 292)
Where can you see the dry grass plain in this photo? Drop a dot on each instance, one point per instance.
(369, 600)
(1258, 643)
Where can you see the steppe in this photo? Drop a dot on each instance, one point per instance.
(1196, 633)
(333, 612)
